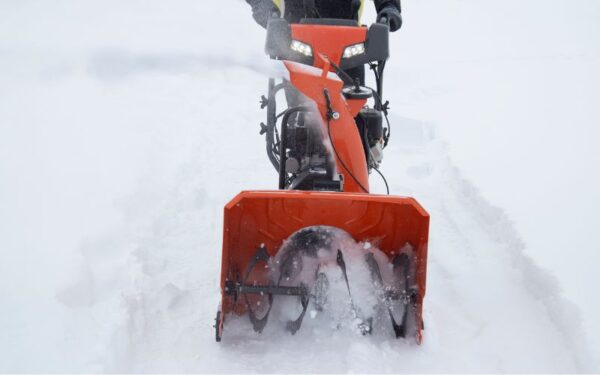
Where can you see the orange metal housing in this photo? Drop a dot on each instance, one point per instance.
(254, 218)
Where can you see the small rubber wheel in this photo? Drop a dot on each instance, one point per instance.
(218, 326)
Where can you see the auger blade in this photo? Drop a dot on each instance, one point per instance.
(294, 325)
(399, 329)
(254, 218)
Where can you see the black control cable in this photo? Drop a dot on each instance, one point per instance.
(368, 154)
(387, 188)
(385, 115)
(329, 117)
(384, 107)
(346, 77)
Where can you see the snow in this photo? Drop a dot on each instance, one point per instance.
(126, 126)
(341, 306)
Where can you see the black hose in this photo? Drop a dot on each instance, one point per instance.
(387, 188)
(342, 161)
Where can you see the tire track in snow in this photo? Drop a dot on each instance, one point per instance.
(469, 219)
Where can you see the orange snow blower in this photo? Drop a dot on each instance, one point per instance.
(323, 146)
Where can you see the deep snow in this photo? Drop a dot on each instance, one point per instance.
(125, 128)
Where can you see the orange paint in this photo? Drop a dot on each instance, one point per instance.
(255, 218)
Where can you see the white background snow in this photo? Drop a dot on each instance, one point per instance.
(126, 126)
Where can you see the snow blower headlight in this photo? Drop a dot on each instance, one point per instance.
(302, 48)
(354, 50)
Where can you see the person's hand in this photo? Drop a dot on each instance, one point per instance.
(390, 15)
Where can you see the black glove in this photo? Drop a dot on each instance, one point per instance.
(390, 15)
(263, 10)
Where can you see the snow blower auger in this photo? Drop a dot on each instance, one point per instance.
(278, 244)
